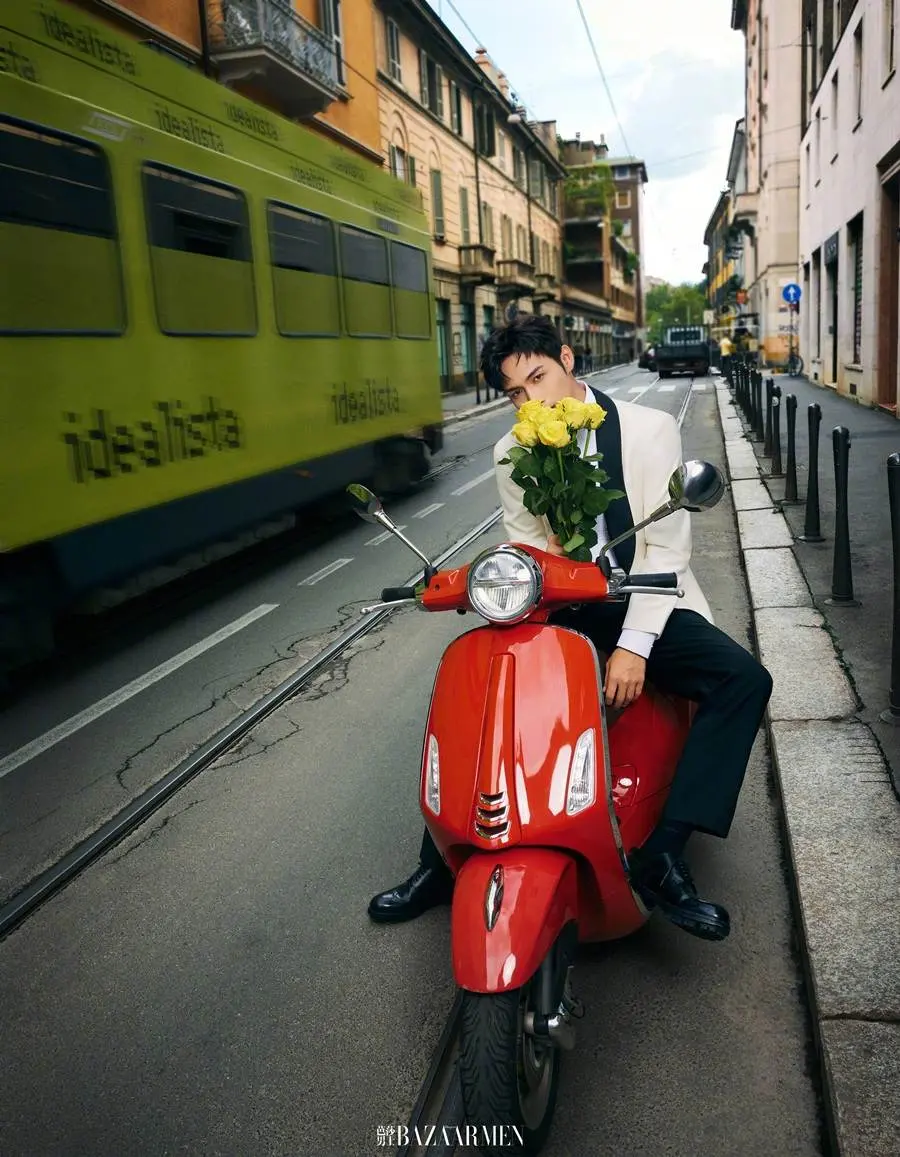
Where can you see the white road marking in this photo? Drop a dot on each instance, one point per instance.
(612, 390)
(698, 387)
(135, 687)
(667, 389)
(429, 510)
(473, 483)
(383, 537)
(638, 391)
(324, 572)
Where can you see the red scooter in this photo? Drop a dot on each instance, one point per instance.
(532, 790)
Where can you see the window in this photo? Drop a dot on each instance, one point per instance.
(506, 238)
(621, 173)
(59, 249)
(835, 109)
(366, 285)
(818, 144)
(464, 227)
(890, 25)
(402, 166)
(538, 178)
(855, 236)
(304, 272)
(808, 174)
(456, 109)
(331, 26)
(521, 243)
(519, 167)
(623, 198)
(501, 150)
(412, 306)
(200, 255)
(626, 228)
(431, 85)
(485, 135)
(437, 203)
(858, 69)
(487, 224)
(393, 51)
(545, 257)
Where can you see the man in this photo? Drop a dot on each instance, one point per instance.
(679, 650)
(726, 352)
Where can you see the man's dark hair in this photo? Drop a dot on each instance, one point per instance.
(527, 333)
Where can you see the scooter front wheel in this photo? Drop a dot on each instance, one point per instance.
(509, 1079)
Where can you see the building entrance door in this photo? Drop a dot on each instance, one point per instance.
(888, 308)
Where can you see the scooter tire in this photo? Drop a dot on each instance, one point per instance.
(495, 1059)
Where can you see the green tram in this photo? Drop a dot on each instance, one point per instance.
(209, 317)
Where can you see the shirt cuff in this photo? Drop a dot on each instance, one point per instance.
(638, 642)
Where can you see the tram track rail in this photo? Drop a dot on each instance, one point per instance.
(52, 881)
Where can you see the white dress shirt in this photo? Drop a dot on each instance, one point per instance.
(638, 642)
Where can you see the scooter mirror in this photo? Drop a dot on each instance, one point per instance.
(696, 486)
(366, 504)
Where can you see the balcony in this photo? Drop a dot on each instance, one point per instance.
(546, 288)
(583, 255)
(476, 264)
(515, 278)
(268, 42)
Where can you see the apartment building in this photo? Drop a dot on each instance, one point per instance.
(767, 209)
(603, 290)
(850, 198)
(310, 60)
(727, 239)
(490, 178)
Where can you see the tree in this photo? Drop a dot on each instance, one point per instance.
(669, 305)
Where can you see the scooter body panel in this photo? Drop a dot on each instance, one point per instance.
(508, 910)
(508, 708)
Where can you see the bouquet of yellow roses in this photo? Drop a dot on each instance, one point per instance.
(559, 478)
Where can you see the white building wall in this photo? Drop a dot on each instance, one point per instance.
(840, 179)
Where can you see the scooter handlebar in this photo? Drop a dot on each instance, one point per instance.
(664, 580)
(397, 594)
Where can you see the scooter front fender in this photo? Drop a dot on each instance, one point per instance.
(508, 910)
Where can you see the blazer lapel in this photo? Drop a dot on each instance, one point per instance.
(619, 518)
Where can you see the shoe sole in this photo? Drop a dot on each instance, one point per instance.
(714, 930)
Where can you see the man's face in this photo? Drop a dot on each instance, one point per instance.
(538, 378)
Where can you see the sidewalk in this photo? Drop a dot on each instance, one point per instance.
(841, 815)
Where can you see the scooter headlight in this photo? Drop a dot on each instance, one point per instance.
(504, 584)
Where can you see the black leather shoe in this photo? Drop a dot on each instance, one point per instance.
(664, 882)
(425, 888)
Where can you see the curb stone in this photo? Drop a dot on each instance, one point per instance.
(485, 408)
(841, 823)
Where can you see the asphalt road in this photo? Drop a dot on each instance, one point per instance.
(213, 984)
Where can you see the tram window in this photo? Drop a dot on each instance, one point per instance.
(304, 273)
(366, 284)
(59, 251)
(200, 253)
(412, 307)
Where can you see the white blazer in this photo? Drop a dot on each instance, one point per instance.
(650, 452)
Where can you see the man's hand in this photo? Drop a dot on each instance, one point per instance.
(625, 673)
(554, 546)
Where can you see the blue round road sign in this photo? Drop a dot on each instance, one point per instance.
(792, 293)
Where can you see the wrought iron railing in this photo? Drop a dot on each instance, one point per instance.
(273, 24)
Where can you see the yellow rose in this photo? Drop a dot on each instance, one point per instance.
(525, 433)
(574, 413)
(554, 433)
(595, 415)
(535, 412)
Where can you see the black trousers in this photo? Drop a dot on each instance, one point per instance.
(696, 660)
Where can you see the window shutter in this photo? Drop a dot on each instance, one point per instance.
(464, 216)
(437, 202)
(439, 77)
(423, 77)
(411, 165)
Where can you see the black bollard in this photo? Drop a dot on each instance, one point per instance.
(892, 715)
(767, 437)
(790, 486)
(811, 530)
(758, 412)
(777, 471)
(841, 575)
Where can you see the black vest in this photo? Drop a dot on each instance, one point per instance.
(619, 518)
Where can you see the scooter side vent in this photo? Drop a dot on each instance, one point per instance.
(492, 816)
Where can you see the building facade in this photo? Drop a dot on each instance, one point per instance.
(309, 60)
(603, 289)
(490, 180)
(727, 240)
(767, 211)
(850, 198)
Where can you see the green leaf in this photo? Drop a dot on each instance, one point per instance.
(580, 554)
(574, 543)
(551, 469)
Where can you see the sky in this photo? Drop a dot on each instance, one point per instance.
(675, 70)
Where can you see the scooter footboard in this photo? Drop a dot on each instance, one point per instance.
(508, 910)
